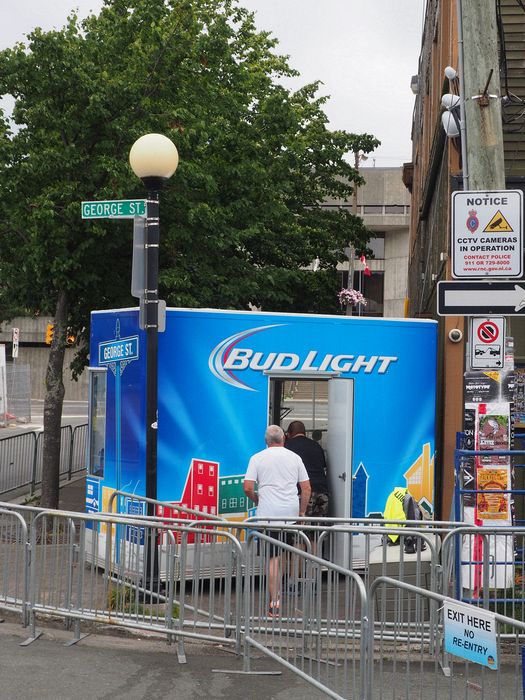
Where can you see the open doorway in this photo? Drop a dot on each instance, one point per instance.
(300, 399)
(326, 407)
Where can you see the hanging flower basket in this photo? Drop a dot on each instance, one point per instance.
(351, 297)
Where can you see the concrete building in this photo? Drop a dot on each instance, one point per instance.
(384, 204)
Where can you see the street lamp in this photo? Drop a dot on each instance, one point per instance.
(154, 159)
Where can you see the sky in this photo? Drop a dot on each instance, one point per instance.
(363, 51)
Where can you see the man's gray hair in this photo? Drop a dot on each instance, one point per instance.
(274, 435)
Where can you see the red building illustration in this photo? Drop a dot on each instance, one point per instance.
(200, 493)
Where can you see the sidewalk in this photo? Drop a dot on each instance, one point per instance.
(110, 668)
(131, 665)
(73, 495)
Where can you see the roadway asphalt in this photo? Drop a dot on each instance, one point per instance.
(73, 413)
(111, 668)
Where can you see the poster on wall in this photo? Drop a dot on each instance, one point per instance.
(468, 463)
(490, 504)
(493, 478)
(489, 416)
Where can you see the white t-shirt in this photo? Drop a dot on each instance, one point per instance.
(277, 472)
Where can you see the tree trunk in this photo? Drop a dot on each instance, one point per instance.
(53, 407)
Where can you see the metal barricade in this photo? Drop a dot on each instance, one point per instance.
(118, 501)
(78, 450)
(17, 459)
(14, 571)
(65, 454)
(138, 581)
(21, 458)
(367, 546)
(305, 613)
(485, 566)
(361, 634)
(210, 590)
(66, 580)
(406, 665)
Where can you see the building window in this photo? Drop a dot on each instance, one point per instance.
(211, 471)
(212, 510)
(200, 489)
(372, 288)
(373, 209)
(200, 468)
(241, 502)
(211, 490)
(377, 245)
(394, 209)
(224, 504)
(233, 503)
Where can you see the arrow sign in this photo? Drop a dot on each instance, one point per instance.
(359, 491)
(478, 298)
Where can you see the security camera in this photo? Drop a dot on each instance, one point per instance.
(455, 335)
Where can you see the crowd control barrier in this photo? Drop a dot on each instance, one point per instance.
(413, 665)
(21, 459)
(371, 632)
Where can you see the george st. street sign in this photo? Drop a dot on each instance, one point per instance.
(114, 209)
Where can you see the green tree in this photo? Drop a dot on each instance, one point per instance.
(241, 220)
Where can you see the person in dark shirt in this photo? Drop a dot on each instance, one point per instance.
(314, 460)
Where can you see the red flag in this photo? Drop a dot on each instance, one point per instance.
(367, 270)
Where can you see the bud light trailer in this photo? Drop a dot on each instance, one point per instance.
(364, 387)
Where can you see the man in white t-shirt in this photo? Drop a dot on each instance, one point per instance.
(277, 471)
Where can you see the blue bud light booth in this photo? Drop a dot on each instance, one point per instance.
(364, 387)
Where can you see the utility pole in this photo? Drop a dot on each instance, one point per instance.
(358, 157)
(481, 92)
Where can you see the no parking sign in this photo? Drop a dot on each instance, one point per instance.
(487, 342)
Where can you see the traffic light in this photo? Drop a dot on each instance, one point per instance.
(49, 333)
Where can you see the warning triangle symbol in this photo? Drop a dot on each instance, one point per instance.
(497, 224)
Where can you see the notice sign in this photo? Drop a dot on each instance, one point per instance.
(487, 234)
(470, 633)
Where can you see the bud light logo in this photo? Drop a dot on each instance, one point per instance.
(220, 355)
(227, 359)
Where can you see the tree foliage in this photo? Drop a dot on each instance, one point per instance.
(243, 214)
(241, 219)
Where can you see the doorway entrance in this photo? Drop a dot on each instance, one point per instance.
(300, 399)
(326, 407)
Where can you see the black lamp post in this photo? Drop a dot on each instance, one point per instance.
(154, 159)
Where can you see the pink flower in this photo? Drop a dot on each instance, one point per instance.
(351, 297)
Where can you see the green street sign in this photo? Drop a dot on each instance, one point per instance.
(114, 209)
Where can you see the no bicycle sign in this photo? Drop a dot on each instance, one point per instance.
(487, 234)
